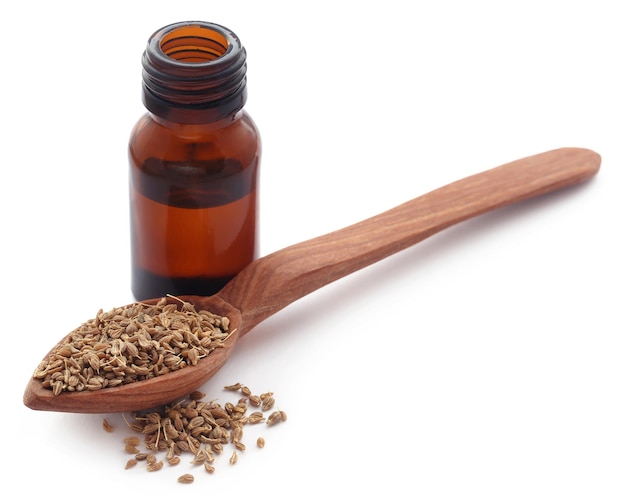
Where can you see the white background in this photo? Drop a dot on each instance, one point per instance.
(488, 360)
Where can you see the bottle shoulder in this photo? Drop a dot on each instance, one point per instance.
(237, 139)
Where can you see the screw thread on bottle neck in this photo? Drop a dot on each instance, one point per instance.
(194, 72)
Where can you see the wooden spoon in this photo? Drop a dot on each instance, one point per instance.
(276, 280)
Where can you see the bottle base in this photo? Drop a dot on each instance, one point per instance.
(147, 285)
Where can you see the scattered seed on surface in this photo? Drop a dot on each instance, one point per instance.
(132, 441)
(196, 395)
(199, 458)
(186, 478)
(274, 418)
(155, 466)
(131, 449)
(256, 417)
(201, 429)
(267, 403)
(107, 427)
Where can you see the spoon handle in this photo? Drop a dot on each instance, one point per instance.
(276, 280)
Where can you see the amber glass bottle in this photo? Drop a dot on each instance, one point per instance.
(194, 160)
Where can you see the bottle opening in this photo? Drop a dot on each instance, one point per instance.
(194, 72)
(194, 44)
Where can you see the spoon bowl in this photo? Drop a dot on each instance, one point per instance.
(272, 282)
(147, 393)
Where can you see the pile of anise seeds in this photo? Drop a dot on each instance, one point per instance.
(202, 429)
(142, 341)
(132, 343)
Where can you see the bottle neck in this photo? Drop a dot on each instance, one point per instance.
(194, 72)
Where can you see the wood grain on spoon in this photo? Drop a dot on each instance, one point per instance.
(272, 282)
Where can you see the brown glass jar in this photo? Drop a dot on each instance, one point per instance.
(194, 163)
